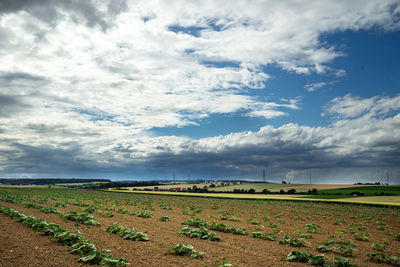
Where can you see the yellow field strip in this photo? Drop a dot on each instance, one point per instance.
(364, 201)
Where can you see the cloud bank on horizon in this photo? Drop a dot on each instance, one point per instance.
(141, 89)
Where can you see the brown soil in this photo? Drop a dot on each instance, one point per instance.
(238, 250)
(21, 246)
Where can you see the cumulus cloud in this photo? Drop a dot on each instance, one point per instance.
(350, 106)
(9, 105)
(347, 145)
(92, 13)
(365, 145)
(87, 81)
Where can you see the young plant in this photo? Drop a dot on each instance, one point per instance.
(185, 250)
(254, 222)
(293, 242)
(397, 237)
(227, 228)
(165, 218)
(361, 237)
(263, 236)
(323, 249)
(346, 251)
(379, 246)
(201, 233)
(222, 263)
(312, 227)
(301, 235)
(127, 233)
(382, 258)
(82, 218)
(342, 262)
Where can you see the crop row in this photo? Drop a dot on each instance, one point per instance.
(80, 245)
(322, 260)
(127, 233)
(221, 227)
(82, 218)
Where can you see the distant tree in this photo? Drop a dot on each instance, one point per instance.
(282, 191)
(292, 191)
(265, 191)
(252, 191)
(284, 182)
(314, 191)
(212, 185)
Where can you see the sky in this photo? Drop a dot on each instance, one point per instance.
(140, 90)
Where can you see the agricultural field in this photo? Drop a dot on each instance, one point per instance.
(259, 187)
(165, 186)
(362, 190)
(66, 227)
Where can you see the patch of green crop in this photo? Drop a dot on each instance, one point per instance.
(312, 227)
(185, 250)
(127, 233)
(200, 233)
(261, 235)
(293, 242)
(165, 218)
(382, 258)
(86, 250)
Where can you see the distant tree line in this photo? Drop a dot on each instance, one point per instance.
(117, 185)
(47, 181)
(291, 191)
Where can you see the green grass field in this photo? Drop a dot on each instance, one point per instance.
(366, 191)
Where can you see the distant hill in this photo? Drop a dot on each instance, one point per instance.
(47, 181)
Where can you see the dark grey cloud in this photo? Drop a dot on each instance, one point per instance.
(248, 162)
(50, 11)
(59, 130)
(8, 77)
(44, 159)
(10, 105)
(235, 161)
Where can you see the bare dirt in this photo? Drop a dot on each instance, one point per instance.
(21, 246)
(238, 250)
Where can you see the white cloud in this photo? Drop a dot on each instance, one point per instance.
(106, 78)
(314, 86)
(362, 143)
(138, 70)
(350, 106)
